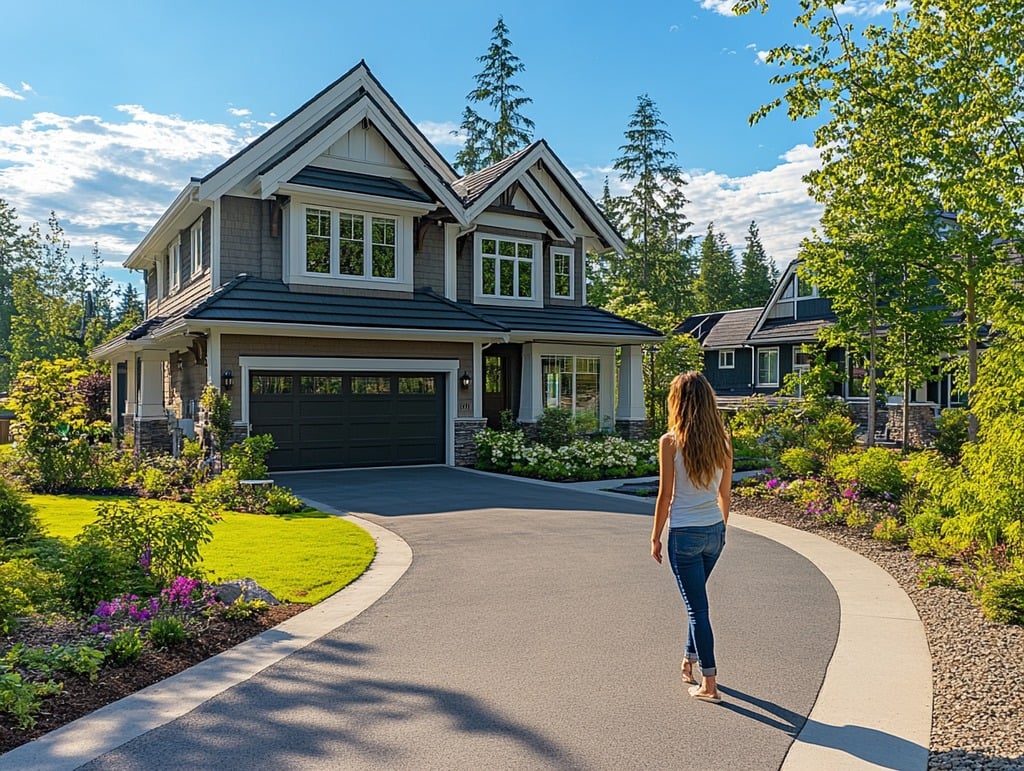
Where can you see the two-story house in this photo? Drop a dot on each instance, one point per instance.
(751, 351)
(364, 304)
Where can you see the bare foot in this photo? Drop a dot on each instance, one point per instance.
(688, 672)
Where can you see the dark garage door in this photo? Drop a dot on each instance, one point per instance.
(328, 420)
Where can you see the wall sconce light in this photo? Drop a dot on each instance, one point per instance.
(227, 379)
(465, 380)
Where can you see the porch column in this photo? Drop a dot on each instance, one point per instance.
(631, 385)
(131, 401)
(530, 398)
(151, 386)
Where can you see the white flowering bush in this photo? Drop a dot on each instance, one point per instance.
(609, 457)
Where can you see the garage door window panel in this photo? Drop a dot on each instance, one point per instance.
(271, 385)
(363, 385)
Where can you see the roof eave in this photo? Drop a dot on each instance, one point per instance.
(160, 234)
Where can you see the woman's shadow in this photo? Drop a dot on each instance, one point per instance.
(869, 744)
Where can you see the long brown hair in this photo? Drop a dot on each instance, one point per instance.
(696, 424)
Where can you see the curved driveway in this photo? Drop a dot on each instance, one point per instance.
(532, 630)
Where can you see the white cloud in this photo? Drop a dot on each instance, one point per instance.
(7, 93)
(26, 87)
(776, 199)
(867, 8)
(751, 46)
(723, 7)
(674, 28)
(107, 180)
(762, 57)
(440, 134)
(240, 112)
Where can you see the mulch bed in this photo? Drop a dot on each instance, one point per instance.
(80, 696)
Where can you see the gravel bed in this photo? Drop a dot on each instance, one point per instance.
(977, 666)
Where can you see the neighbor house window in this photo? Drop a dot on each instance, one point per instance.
(351, 244)
(802, 360)
(768, 367)
(196, 247)
(507, 267)
(572, 382)
(561, 273)
(727, 359)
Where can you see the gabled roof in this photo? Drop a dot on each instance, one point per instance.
(780, 287)
(300, 138)
(721, 329)
(479, 190)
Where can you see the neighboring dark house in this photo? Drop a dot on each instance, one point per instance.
(364, 304)
(750, 351)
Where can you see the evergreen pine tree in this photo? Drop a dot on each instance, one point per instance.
(757, 272)
(717, 284)
(488, 141)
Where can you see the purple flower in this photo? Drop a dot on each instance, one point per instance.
(146, 559)
(772, 483)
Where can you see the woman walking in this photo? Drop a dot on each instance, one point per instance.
(694, 493)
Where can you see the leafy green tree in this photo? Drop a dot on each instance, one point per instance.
(488, 141)
(14, 251)
(922, 119)
(718, 280)
(757, 271)
(53, 424)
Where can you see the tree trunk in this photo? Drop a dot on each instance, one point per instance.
(972, 359)
(872, 387)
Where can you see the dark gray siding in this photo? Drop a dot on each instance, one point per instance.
(817, 308)
(246, 245)
(730, 382)
(428, 260)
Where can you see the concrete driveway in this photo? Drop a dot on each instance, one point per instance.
(532, 630)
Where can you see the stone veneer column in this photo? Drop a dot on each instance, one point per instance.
(631, 412)
(466, 430)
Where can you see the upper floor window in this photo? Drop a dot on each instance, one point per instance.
(351, 244)
(172, 267)
(562, 273)
(196, 247)
(508, 269)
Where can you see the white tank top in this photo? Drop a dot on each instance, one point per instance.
(693, 506)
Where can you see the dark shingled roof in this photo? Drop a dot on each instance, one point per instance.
(722, 329)
(575, 320)
(352, 182)
(791, 330)
(145, 328)
(472, 186)
(254, 299)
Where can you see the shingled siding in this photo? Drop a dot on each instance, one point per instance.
(428, 261)
(246, 245)
(192, 287)
(235, 346)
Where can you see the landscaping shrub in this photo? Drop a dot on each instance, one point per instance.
(607, 458)
(876, 472)
(218, 414)
(17, 520)
(24, 588)
(167, 632)
(164, 540)
(248, 458)
(124, 647)
(556, 427)
(831, 434)
(281, 500)
(800, 462)
(1002, 598)
(889, 529)
(53, 427)
(23, 698)
(935, 575)
(951, 426)
(164, 476)
(94, 570)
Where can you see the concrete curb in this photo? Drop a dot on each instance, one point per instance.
(862, 718)
(111, 726)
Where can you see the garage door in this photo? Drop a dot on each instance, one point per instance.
(330, 420)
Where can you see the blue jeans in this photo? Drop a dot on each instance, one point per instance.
(692, 553)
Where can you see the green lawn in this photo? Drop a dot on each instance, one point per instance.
(303, 557)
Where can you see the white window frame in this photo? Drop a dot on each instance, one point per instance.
(536, 299)
(801, 366)
(174, 266)
(571, 255)
(727, 355)
(757, 367)
(531, 401)
(196, 247)
(295, 237)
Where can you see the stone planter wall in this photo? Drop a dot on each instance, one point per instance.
(632, 429)
(921, 425)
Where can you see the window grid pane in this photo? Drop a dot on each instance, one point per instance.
(416, 385)
(271, 385)
(318, 241)
(562, 278)
(321, 385)
(370, 386)
(351, 249)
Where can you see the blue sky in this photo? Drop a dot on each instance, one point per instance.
(107, 109)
